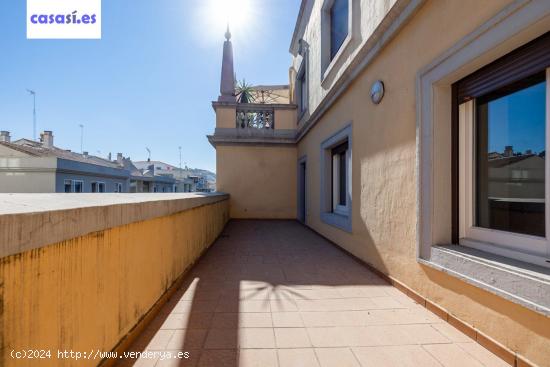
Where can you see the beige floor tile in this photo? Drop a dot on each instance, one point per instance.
(395, 356)
(423, 334)
(222, 339)
(292, 338)
(336, 357)
(283, 305)
(258, 358)
(256, 338)
(160, 340)
(297, 358)
(331, 337)
(287, 319)
(487, 358)
(187, 339)
(386, 302)
(233, 320)
(218, 358)
(451, 355)
(335, 318)
(452, 333)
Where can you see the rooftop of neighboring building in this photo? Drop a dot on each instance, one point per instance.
(40, 149)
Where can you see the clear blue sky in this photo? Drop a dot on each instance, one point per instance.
(519, 120)
(147, 83)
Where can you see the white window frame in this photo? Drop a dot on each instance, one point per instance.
(81, 186)
(524, 247)
(98, 183)
(328, 62)
(118, 187)
(70, 182)
(339, 216)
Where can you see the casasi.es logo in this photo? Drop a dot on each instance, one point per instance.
(63, 19)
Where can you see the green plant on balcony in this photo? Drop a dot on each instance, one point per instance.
(245, 92)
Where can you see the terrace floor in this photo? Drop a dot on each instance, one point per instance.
(274, 293)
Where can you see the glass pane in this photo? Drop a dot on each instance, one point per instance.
(510, 159)
(342, 185)
(338, 25)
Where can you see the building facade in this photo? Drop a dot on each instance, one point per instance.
(396, 144)
(30, 166)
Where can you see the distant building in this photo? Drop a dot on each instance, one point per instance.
(187, 179)
(147, 179)
(31, 166)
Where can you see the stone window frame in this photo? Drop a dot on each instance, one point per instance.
(327, 62)
(339, 220)
(515, 25)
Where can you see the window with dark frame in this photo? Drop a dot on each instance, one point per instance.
(302, 88)
(339, 25)
(500, 125)
(68, 186)
(339, 176)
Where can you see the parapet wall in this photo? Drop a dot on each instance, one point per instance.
(78, 272)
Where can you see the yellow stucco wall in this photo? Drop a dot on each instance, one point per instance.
(285, 119)
(260, 179)
(87, 293)
(225, 117)
(384, 179)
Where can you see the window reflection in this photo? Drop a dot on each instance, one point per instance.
(510, 158)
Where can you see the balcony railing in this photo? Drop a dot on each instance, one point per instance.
(255, 117)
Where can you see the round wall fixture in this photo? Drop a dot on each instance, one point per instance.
(377, 92)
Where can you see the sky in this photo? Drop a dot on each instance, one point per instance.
(519, 120)
(148, 82)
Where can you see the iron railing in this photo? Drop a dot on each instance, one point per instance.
(255, 117)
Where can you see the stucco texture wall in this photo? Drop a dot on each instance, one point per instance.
(384, 179)
(87, 293)
(260, 179)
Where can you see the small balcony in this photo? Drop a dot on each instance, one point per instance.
(254, 123)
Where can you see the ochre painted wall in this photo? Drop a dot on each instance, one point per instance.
(384, 177)
(87, 293)
(261, 180)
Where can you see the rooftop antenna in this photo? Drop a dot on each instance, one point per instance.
(33, 94)
(81, 138)
(148, 154)
(180, 157)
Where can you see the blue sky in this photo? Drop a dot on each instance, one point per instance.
(147, 83)
(519, 120)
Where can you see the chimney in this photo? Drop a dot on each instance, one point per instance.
(119, 158)
(5, 136)
(47, 139)
(85, 154)
(109, 157)
(227, 83)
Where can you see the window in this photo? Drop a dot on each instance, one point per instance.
(98, 186)
(78, 185)
(302, 88)
(118, 187)
(336, 179)
(503, 128)
(339, 17)
(339, 178)
(68, 184)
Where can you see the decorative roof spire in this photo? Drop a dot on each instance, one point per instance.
(228, 33)
(227, 82)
